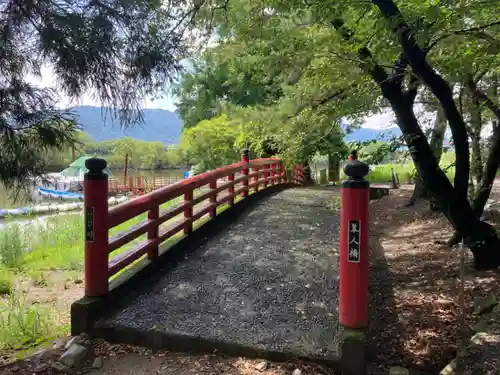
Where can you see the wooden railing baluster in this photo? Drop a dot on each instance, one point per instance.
(153, 233)
(213, 199)
(188, 212)
(264, 175)
(230, 189)
(255, 179)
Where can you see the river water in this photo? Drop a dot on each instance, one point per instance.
(6, 200)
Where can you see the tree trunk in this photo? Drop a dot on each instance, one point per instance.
(333, 168)
(492, 163)
(436, 143)
(452, 200)
(479, 236)
(477, 159)
(126, 170)
(475, 135)
(437, 137)
(419, 191)
(307, 173)
(417, 58)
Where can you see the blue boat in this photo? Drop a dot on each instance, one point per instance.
(58, 194)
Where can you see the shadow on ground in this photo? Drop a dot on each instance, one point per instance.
(414, 288)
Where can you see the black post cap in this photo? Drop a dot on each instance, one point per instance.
(356, 169)
(96, 165)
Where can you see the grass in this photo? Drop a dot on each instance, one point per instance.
(383, 172)
(30, 254)
(41, 273)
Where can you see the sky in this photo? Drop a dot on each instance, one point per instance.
(47, 81)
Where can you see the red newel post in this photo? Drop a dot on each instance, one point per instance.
(353, 304)
(245, 158)
(95, 192)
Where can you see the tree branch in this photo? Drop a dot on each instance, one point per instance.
(376, 71)
(329, 95)
(413, 87)
(473, 30)
(439, 87)
(481, 95)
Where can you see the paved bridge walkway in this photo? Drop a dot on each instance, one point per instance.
(266, 285)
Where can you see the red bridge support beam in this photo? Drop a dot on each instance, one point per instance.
(353, 301)
(95, 192)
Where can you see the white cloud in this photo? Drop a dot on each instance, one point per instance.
(380, 121)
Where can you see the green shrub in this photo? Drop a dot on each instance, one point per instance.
(22, 323)
(12, 247)
(5, 282)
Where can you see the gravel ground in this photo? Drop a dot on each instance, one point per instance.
(268, 283)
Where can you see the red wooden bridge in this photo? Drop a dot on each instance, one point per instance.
(241, 259)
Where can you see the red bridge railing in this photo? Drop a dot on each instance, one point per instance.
(171, 211)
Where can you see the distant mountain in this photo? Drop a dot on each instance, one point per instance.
(159, 125)
(367, 134)
(166, 126)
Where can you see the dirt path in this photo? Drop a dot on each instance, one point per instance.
(414, 288)
(141, 361)
(132, 360)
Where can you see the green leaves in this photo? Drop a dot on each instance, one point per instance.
(211, 143)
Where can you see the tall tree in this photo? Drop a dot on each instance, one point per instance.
(119, 51)
(220, 77)
(436, 144)
(400, 50)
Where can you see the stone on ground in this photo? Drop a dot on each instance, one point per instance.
(74, 355)
(398, 371)
(261, 366)
(98, 363)
(40, 368)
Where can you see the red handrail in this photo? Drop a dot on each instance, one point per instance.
(201, 195)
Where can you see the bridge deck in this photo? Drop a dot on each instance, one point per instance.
(267, 284)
